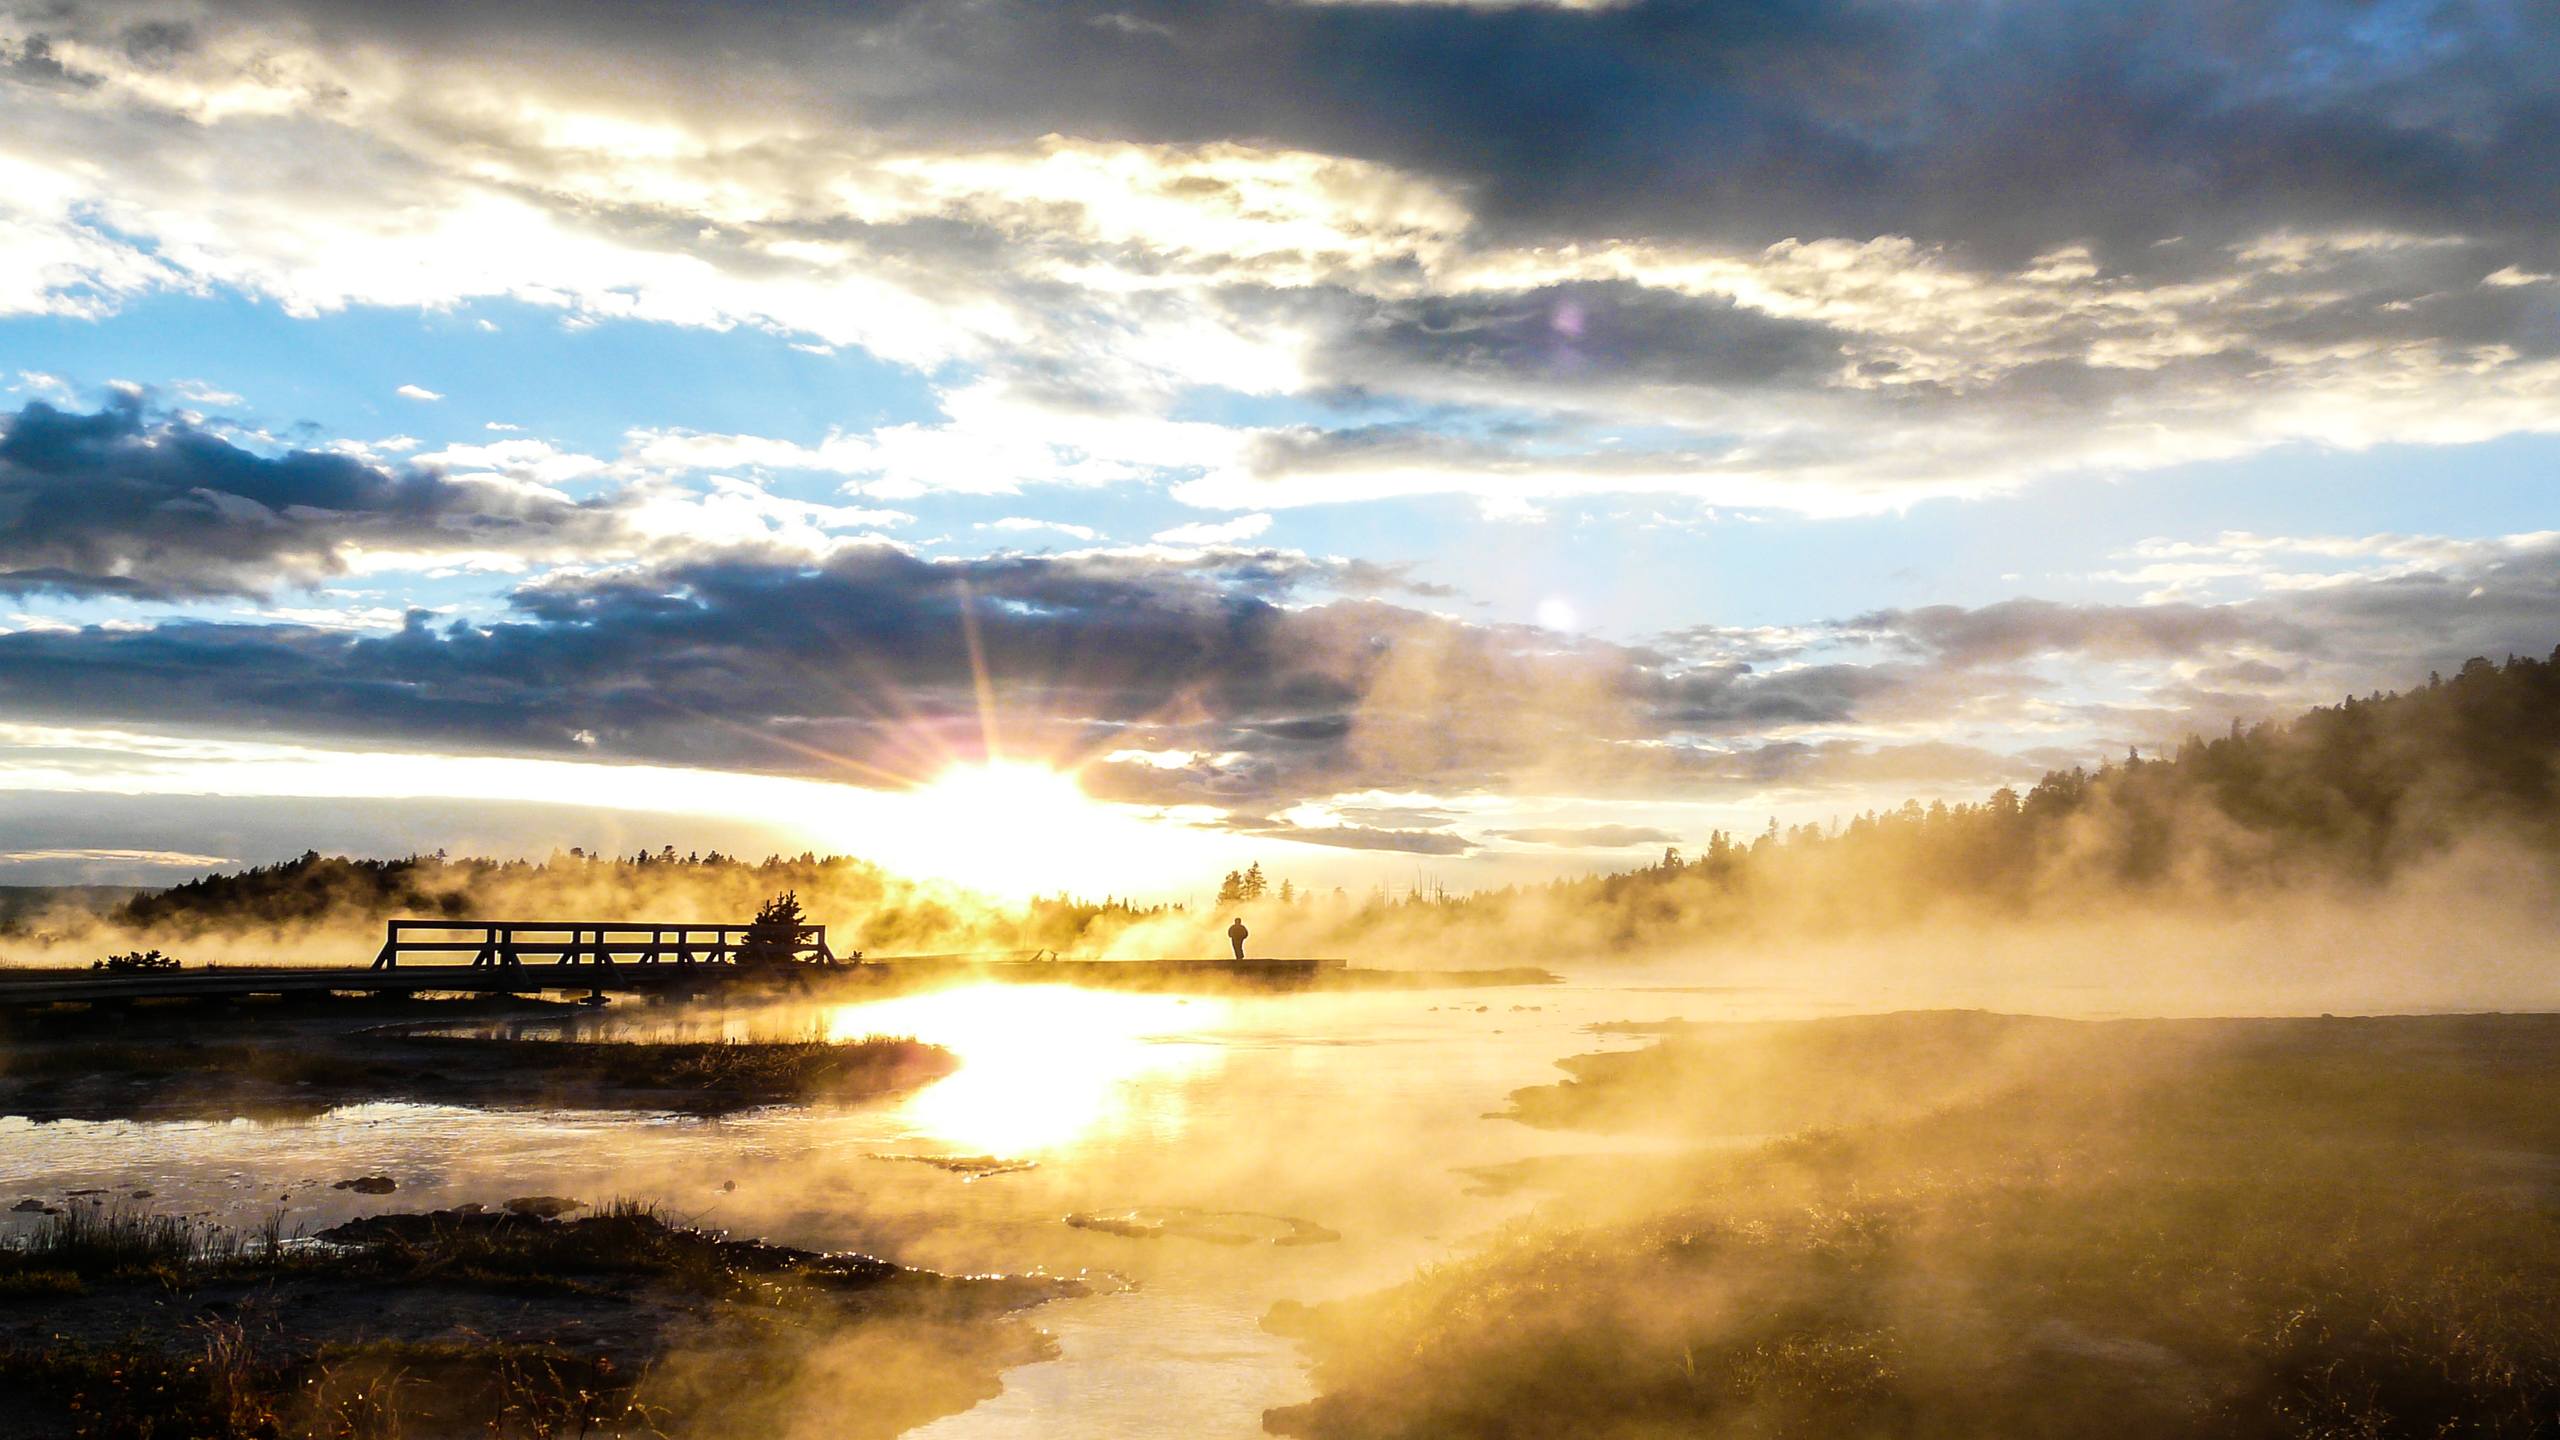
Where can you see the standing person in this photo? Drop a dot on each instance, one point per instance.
(1236, 934)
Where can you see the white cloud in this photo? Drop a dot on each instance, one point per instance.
(1222, 532)
(51, 387)
(2250, 563)
(1022, 524)
(202, 393)
(419, 392)
(527, 462)
(134, 857)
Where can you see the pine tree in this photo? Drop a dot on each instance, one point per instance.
(1253, 881)
(773, 937)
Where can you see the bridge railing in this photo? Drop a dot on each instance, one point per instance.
(508, 943)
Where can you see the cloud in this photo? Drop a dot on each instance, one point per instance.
(119, 858)
(1592, 837)
(1578, 336)
(120, 502)
(202, 393)
(1221, 532)
(1224, 674)
(419, 392)
(1357, 837)
(2017, 629)
(1023, 524)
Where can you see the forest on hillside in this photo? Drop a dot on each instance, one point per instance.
(2346, 795)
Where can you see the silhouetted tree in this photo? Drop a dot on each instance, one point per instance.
(773, 937)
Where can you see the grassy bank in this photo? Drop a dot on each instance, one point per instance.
(481, 1323)
(2008, 1227)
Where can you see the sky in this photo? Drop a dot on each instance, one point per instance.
(1096, 445)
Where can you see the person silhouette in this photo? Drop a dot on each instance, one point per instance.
(1236, 934)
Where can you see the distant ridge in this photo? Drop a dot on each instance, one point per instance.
(25, 902)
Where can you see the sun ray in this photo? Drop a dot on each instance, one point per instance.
(978, 671)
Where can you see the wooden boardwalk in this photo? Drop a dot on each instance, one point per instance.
(508, 943)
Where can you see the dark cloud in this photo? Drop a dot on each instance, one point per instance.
(1396, 817)
(1594, 837)
(120, 503)
(1734, 699)
(2006, 128)
(1854, 764)
(865, 668)
(2016, 630)
(1589, 334)
(1356, 837)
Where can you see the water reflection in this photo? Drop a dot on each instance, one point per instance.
(1042, 1067)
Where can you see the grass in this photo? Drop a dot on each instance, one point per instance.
(85, 1243)
(626, 1241)
(230, 1388)
(730, 1315)
(2251, 1230)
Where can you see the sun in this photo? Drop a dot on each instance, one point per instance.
(1014, 828)
(1019, 789)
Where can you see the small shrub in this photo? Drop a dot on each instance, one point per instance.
(136, 962)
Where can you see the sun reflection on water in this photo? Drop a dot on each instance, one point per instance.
(1042, 1067)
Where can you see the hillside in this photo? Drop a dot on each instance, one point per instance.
(25, 902)
(2344, 796)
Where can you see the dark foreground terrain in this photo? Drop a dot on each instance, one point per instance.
(1976, 1225)
(276, 1060)
(473, 1322)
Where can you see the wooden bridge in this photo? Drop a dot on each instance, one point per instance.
(505, 944)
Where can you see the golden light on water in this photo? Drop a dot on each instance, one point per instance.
(1042, 1067)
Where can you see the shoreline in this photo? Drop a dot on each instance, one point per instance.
(308, 1059)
